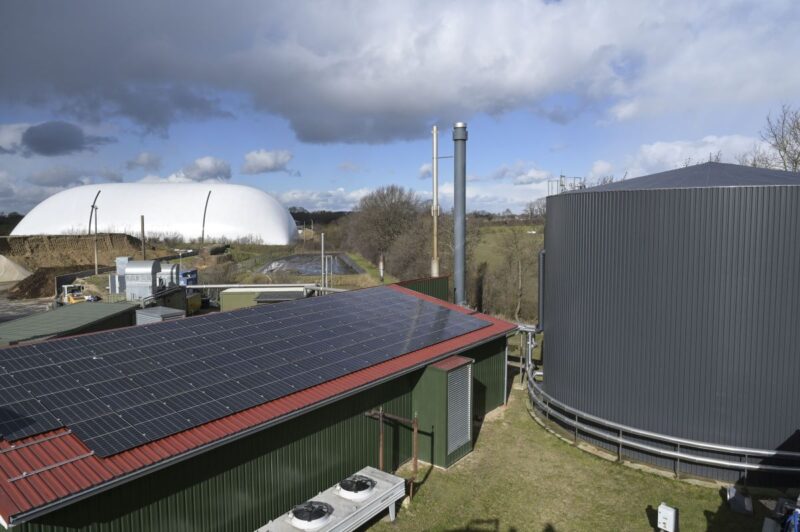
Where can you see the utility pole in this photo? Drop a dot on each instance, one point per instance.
(435, 204)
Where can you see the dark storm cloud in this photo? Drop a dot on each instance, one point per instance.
(378, 71)
(58, 138)
(60, 176)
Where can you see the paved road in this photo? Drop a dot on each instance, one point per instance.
(17, 308)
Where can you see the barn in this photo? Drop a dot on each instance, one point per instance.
(225, 421)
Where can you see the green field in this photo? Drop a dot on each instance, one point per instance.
(495, 248)
(521, 477)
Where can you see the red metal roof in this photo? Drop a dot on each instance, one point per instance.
(452, 362)
(43, 472)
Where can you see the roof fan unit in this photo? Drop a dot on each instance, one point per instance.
(311, 515)
(356, 487)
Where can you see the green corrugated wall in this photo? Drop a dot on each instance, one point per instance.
(244, 484)
(438, 287)
(488, 376)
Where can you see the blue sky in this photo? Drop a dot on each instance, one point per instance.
(333, 99)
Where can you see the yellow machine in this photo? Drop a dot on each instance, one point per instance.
(73, 293)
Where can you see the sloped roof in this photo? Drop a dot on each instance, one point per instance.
(60, 321)
(706, 175)
(44, 472)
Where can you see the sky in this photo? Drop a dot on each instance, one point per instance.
(318, 103)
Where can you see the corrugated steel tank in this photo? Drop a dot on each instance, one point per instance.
(673, 305)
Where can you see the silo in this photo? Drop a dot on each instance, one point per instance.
(672, 305)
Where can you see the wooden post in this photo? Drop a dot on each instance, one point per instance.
(380, 450)
(414, 455)
(144, 254)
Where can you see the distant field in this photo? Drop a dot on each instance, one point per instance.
(492, 248)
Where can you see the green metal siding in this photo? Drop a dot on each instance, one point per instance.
(438, 287)
(236, 300)
(430, 405)
(67, 320)
(488, 377)
(242, 485)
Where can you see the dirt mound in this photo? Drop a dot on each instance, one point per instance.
(54, 251)
(41, 283)
(11, 271)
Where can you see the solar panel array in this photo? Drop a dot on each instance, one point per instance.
(119, 389)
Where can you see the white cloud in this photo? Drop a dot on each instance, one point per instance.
(495, 196)
(203, 169)
(11, 137)
(520, 173)
(145, 161)
(264, 161)
(337, 199)
(668, 155)
(425, 171)
(601, 168)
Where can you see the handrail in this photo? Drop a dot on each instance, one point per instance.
(544, 403)
(664, 437)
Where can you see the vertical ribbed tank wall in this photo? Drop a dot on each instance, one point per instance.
(676, 311)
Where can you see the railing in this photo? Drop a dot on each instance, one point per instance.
(616, 433)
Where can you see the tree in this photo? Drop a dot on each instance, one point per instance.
(380, 218)
(782, 133)
(757, 157)
(535, 210)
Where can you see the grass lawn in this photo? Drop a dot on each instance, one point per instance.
(371, 269)
(521, 477)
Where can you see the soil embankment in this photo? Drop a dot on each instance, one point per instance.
(57, 251)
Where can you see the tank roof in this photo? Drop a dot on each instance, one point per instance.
(706, 175)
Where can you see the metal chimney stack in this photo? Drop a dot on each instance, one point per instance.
(460, 208)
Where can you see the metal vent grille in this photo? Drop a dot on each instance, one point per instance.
(459, 407)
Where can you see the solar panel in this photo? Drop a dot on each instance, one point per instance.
(119, 389)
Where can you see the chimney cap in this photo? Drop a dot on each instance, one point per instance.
(460, 124)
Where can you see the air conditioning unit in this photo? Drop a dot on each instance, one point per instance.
(345, 506)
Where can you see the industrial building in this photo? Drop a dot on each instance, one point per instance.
(670, 320)
(68, 320)
(225, 421)
(194, 211)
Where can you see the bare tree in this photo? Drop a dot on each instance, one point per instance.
(757, 157)
(535, 210)
(782, 133)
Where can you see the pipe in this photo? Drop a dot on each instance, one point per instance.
(435, 204)
(322, 256)
(460, 210)
(380, 446)
(540, 325)
(144, 254)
